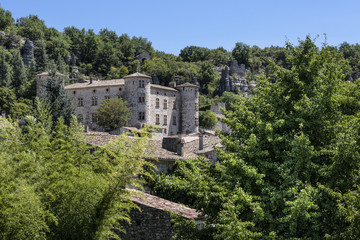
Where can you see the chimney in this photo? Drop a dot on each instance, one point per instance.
(201, 141)
(172, 84)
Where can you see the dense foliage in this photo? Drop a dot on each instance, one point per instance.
(113, 114)
(290, 168)
(54, 186)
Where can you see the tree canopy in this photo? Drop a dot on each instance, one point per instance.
(290, 168)
(113, 113)
(54, 186)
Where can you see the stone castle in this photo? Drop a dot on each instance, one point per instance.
(175, 109)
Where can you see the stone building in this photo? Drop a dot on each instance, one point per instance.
(174, 108)
(154, 221)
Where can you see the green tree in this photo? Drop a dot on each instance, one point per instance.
(241, 53)
(207, 119)
(31, 27)
(290, 165)
(57, 99)
(19, 72)
(5, 71)
(5, 19)
(113, 113)
(55, 186)
(7, 99)
(41, 57)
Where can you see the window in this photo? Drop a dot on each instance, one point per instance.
(120, 89)
(196, 122)
(165, 104)
(196, 94)
(157, 103)
(174, 105)
(80, 102)
(94, 101)
(165, 119)
(174, 120)
(196, 106)
(107, 90)
(141, 98)
(157, 119)
(94, 91)
(165, 131)
(141, 116)
(107, 97)
(93, 117)
(141, 83)
(74, 92)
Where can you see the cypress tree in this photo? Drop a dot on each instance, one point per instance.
(19, 73)
(5, 72)
(41, 56)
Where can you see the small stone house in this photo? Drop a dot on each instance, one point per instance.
(154, 221)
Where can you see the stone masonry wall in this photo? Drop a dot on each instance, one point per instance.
(149, 224)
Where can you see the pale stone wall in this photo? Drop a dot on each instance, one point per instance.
(132, 94)
(87, 110)
(181, 111)
(171, 97)
(189, 109)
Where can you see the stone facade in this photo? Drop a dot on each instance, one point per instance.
(174, 109)
(153, 222)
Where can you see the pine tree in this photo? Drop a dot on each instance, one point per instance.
(41, 56)
(19, 73)
(5, 72)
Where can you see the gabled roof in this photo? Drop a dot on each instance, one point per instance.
(163, 204)
(187, 85)
(104, 83)
(137, 75)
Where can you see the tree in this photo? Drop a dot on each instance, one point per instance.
(5, 71)
(5, 19)
(207, 119)
(19, 72)
(290, 167)
(241, 53)
(55, 186)
(57, 99)
(113, 113)
(41, 56)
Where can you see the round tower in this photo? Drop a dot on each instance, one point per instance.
(137, 94)
(189, 112)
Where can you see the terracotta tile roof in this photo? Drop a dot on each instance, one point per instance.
(94, 84)
(163, 87)
(137, 75)
(163, 204)
(188, 85)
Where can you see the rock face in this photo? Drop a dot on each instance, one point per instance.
(233, 79)
(28, 52)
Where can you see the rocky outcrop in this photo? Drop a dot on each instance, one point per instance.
(233, 79)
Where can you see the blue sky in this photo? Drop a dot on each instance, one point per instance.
(172, 25)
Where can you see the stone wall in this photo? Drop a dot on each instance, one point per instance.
(149, 224)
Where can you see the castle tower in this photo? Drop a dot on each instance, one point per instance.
(137, 95)
(189, 108)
